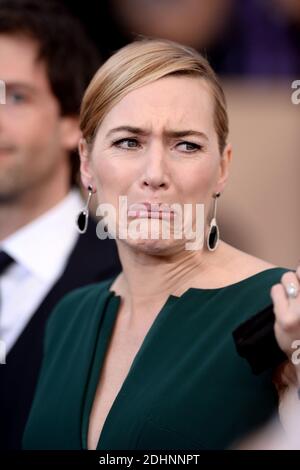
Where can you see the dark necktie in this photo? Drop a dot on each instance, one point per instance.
(5, 261)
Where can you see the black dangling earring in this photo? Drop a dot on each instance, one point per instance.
(213, 232)
(83, 216)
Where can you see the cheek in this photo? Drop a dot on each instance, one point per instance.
(112, 178)
(21, 128)
(28, 131)
(195, 183)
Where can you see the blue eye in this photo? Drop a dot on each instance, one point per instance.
(127, 143)
(16, 98)
(190, 147)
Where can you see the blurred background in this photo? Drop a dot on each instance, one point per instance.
(254, 46)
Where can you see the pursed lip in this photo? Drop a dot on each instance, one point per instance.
(155, 210)
(5, 149)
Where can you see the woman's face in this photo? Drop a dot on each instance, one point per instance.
(158, 145)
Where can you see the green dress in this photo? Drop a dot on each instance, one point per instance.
(187, 387)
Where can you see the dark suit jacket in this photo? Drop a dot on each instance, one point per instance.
(92, 260)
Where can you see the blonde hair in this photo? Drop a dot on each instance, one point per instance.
(140, 63)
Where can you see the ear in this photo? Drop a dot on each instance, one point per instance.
(225, 162)
(69, 132)
(85, 163)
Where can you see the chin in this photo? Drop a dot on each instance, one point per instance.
(155, 247)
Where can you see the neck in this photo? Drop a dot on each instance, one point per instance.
(28, 205)
(147, 279)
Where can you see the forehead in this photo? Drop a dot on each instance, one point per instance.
(170, 101)
(19, 62)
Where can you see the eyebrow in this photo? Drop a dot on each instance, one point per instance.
(168, 133)
(20, 85)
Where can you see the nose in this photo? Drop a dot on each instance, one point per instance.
(155, 174)
(1, 116)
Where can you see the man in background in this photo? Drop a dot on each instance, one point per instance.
(46, 62)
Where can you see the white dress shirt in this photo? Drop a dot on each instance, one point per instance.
(40, 250)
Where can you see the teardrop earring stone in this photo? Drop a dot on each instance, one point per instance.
(213, 237)
(82, 220)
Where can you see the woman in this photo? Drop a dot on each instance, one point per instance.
(147, 360)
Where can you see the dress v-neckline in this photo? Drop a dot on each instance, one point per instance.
(104, 331)
(108, 319)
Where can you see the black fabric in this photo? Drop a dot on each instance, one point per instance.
(255, 341)
(92, 260)
(5, 261)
